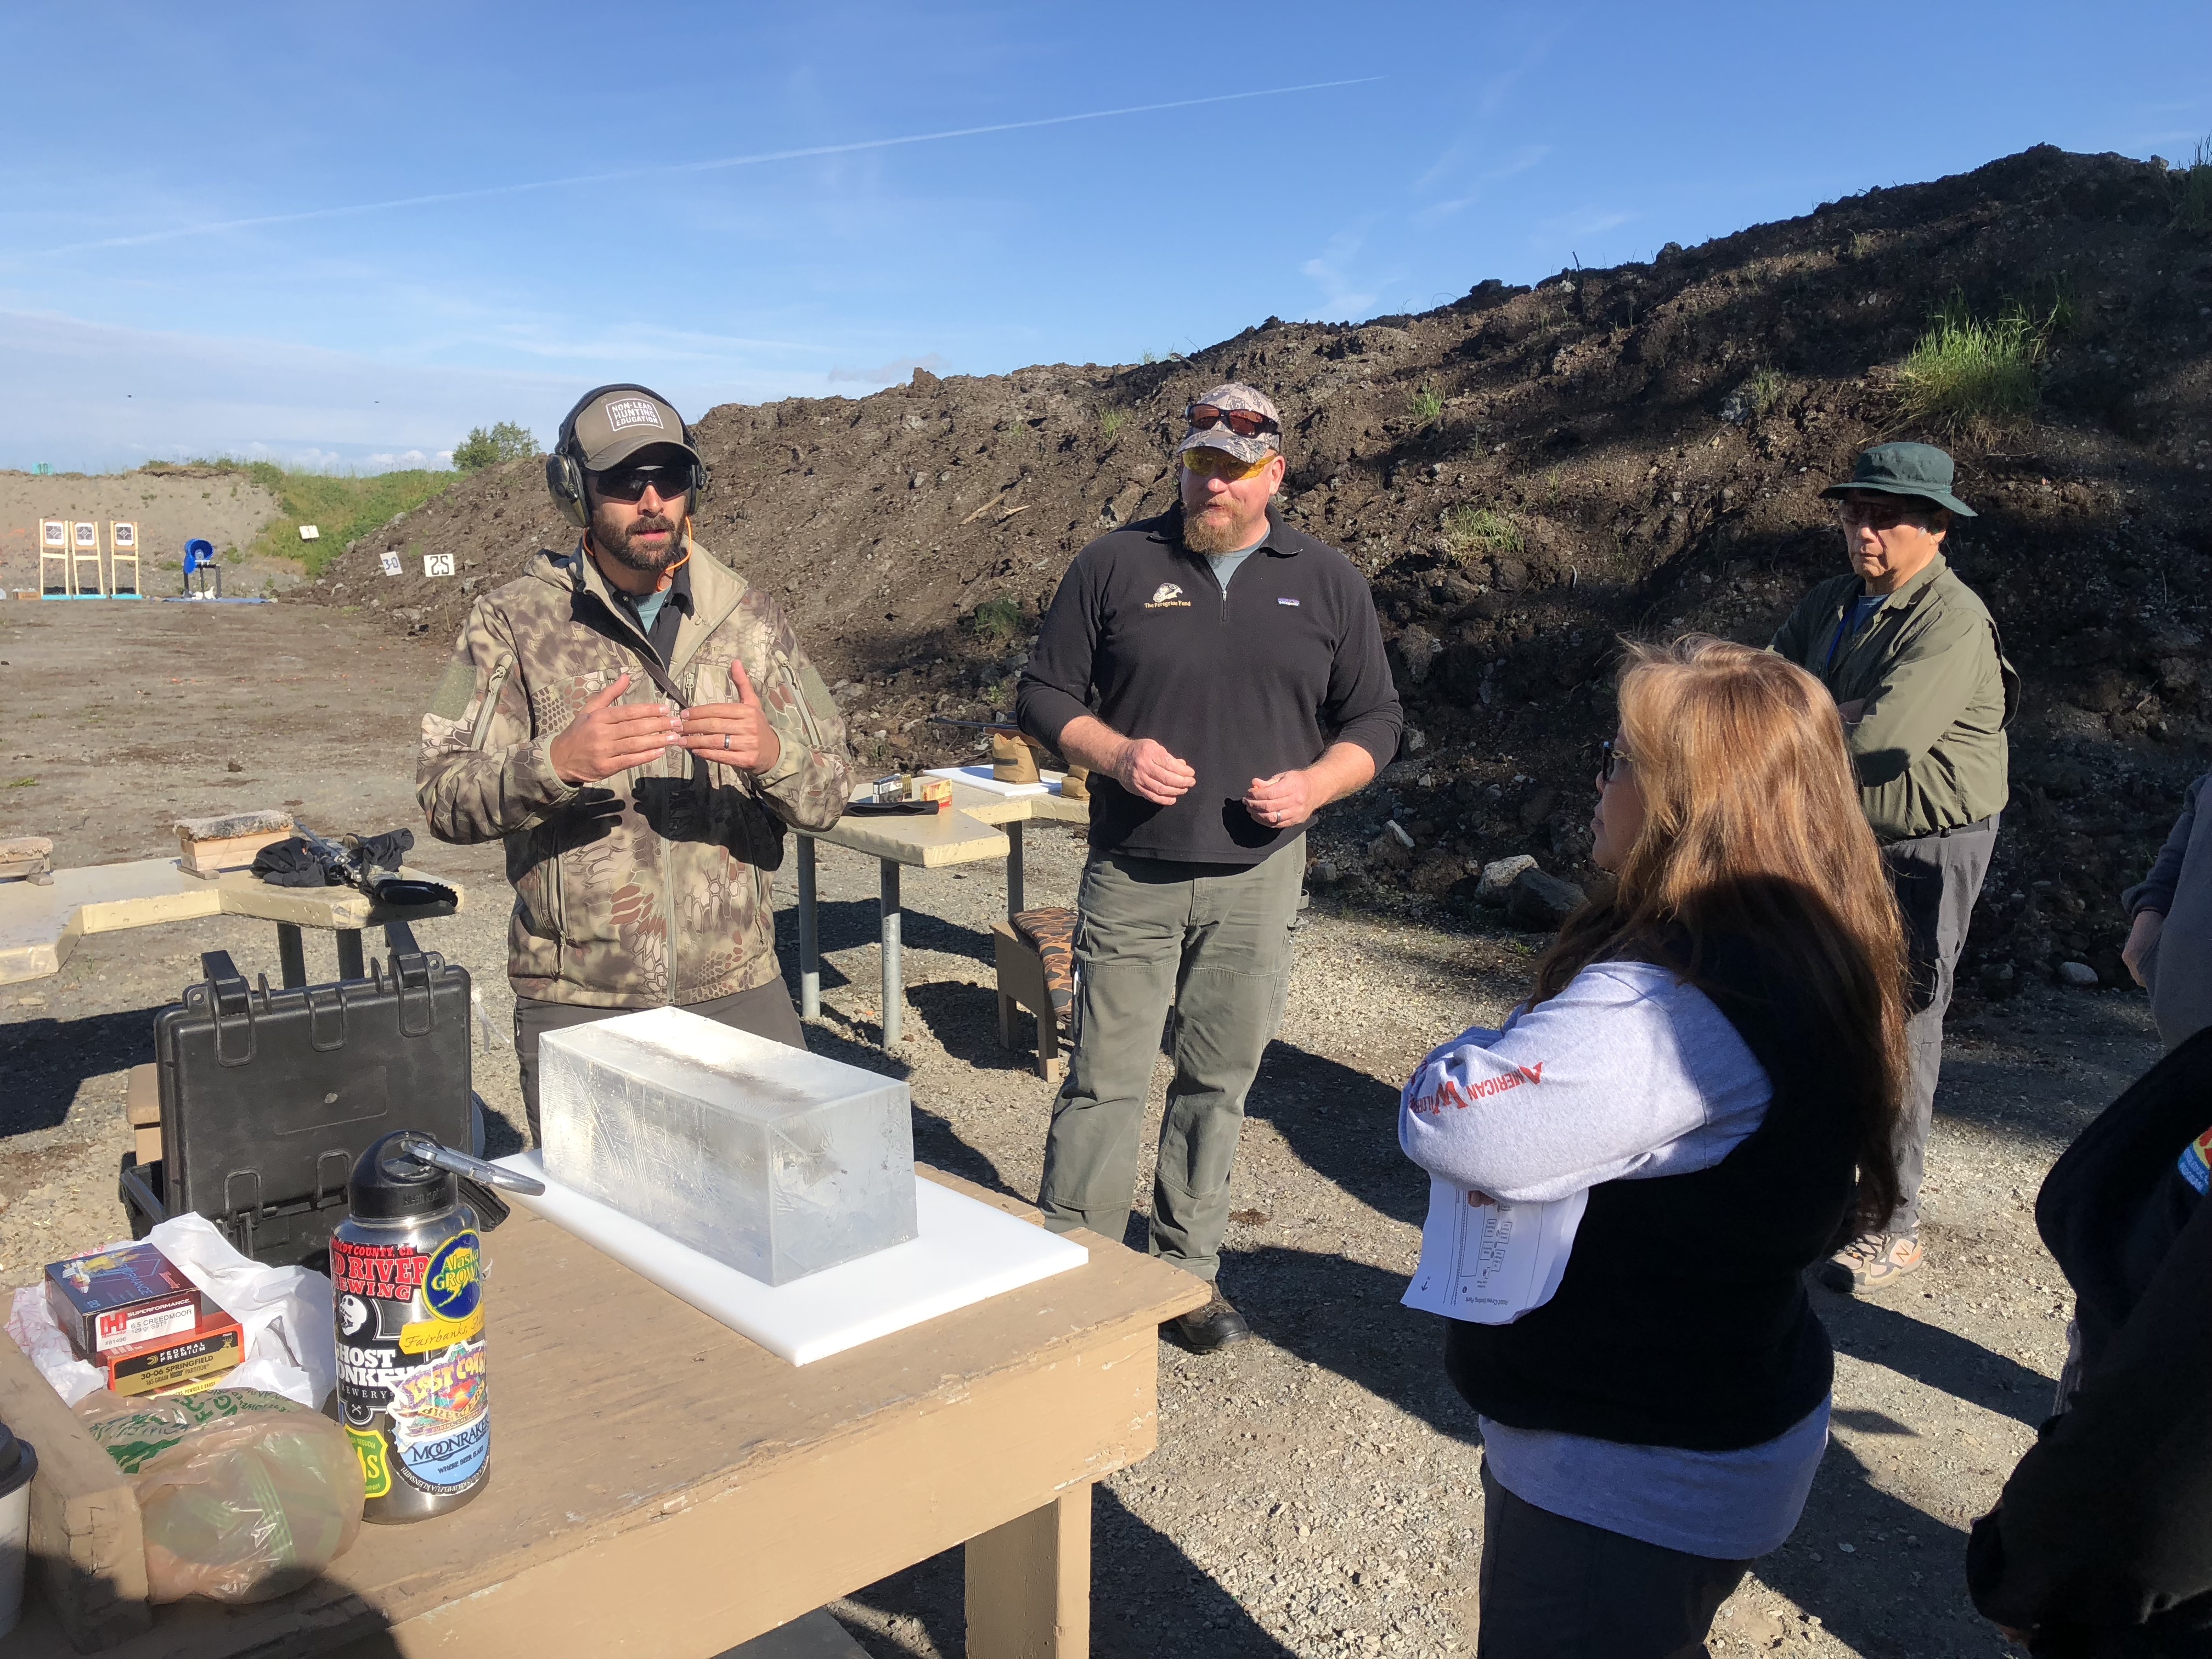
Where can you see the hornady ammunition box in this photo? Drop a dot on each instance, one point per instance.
(121, 1298)
(175, 1362)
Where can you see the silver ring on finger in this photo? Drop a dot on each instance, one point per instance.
(726, 740)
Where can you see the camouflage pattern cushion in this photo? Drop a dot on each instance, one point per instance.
(1049, 930)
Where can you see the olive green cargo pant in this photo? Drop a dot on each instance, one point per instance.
(1215, 941)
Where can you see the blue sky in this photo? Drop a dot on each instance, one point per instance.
(182, 272)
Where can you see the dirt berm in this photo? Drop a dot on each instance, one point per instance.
(1524, 474)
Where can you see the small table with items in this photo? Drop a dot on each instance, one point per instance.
(983, 824)
(41, 922)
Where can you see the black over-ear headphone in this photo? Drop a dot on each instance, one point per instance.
(564, 468)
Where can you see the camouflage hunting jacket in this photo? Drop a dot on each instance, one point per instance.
(651, 886)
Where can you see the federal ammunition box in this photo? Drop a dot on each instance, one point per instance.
(176, 1362)
(120, 1299)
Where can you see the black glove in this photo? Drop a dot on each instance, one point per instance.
(292, 864)
(386, 851)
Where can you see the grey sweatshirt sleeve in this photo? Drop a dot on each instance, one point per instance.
(2155, 891)
(1626, 1073)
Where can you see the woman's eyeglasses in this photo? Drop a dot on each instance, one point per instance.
(1610, 759)
(629, 483)
(1244, 422)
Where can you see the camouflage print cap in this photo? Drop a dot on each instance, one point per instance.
(615, 422)
(1238, 395)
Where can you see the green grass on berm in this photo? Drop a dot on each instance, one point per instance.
(340, 505)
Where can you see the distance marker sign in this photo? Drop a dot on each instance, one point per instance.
(392, 565)
(437, 564)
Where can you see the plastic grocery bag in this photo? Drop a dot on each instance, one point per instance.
(284, 1313)
(243, 1495)
(31, 1324)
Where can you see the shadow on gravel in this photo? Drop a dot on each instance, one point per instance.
(1343, 1124)
(852, 924)
(1147, 1599)
(45, 1060)
(964, 1018)
(1936, 1357)
(1343, 1316)
(1915, 1607)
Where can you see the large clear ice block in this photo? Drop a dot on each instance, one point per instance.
(774, 1161)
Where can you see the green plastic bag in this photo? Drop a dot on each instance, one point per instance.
(243, 1495)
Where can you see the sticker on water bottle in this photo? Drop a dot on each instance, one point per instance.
(441, 1421)
(375, 1472)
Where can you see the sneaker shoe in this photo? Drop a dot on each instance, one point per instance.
(1872, 1261)
(1214, 1326)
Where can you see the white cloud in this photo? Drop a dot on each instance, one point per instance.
(88, 395)
(1342, 294)
(890, 374)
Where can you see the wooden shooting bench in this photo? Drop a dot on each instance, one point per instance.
(983, 824)
(662, 1488)
(40, 924)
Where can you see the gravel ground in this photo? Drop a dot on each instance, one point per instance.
(1314, 1491)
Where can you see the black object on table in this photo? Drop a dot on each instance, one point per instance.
(269, 1097)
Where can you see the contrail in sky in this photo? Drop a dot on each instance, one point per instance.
(759, 160)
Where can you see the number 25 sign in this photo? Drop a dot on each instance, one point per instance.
(437, 564)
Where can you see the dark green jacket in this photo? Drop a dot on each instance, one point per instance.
(1929, 744)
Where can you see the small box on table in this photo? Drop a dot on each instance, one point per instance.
(772, 1160)
(120, 1299)
(170, 1364)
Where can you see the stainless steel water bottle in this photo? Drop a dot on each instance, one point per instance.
(407, 1282)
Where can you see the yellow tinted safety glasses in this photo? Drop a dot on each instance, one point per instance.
(1211, 463)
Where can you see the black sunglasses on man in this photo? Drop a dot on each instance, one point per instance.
(670, 479)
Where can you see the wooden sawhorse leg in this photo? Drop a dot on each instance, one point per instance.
(1028, 1583)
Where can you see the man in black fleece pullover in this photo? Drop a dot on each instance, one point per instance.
(1222, 676)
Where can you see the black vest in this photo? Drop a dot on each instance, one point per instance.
(1682, 1319)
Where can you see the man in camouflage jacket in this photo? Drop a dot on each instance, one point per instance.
(641, 753)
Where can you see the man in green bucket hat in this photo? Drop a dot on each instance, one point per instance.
(1914, 661)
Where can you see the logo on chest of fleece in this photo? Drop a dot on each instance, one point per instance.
(1463, 1095)
(1168, 596)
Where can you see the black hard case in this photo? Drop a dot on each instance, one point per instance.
(269, 1098)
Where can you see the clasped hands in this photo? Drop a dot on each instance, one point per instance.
(606, 738)
(1147, 768)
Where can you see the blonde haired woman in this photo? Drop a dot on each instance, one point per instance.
(1708, 1058)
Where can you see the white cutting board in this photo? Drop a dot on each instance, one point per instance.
(979, 777)
(966, 1252)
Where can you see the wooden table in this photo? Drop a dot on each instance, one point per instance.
(664, 1489)
(39, 926)
(983, 824)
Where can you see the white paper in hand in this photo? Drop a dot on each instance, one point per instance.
(1488, 1261)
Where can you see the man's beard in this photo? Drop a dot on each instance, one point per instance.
(614, 541)
(1209, 532)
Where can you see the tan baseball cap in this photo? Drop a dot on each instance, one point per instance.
(1237, 395)
(615, 423)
